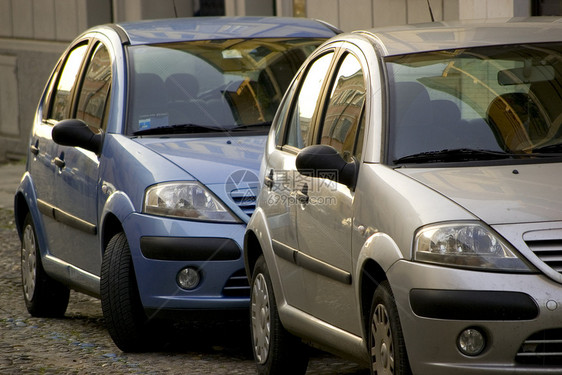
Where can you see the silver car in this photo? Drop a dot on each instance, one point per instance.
(410, 216)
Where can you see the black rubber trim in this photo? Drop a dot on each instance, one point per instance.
(202, 315)
(123, 36)
(66, 218)
(189, 248)
(284, 251)
(472, 305)
(323, 268)
(310, 263)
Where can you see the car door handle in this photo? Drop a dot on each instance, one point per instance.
(268, 180)
(302, 194)
(59, 162)
(34, 148)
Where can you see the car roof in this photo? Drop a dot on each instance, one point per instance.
(213, 28)
(463, 34)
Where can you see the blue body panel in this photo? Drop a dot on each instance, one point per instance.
(214, 28)
(102, 193)
(157, 278)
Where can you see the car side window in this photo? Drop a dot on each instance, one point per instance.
(307, 101)
(281, 115)
(62, 100)
(343, 125)
(95, 89)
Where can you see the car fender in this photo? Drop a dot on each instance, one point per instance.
(119, 206)
(258, 226)
(25, 200)
(381, 248)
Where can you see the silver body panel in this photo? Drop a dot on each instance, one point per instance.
(317, 254)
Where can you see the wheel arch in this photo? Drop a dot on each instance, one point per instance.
(21, 209)
(111, 226)
(256, 232)
(252, 252)
(24, 199)
(377, 256)
(25, 202)
(372, 274)
(116, 209)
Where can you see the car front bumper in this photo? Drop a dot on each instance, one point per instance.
(520, 316)
(161, 247)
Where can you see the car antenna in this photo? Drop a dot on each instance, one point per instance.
(175, 9)
(430, 11)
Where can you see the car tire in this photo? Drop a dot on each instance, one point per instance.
(386, 342)
(44, 296)
(276, 351)
(122, 309)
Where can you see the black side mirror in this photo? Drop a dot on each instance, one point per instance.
(325, 162)
(76, 133)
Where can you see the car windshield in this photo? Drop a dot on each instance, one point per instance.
(487, 103)
(213, 85)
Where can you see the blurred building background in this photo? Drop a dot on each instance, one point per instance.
(33, 34)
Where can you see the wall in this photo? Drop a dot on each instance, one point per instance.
(250, 7)
(24, 66)
(33, 34)
(349, 15)
(134, 10)
(50, 19)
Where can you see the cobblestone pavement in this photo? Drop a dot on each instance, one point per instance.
(80, 344)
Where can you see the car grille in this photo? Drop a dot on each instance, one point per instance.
(237, 285)
(245, 199)
(549, 251)
(542, 348)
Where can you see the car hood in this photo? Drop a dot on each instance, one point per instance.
(211, 160)
(500, 194)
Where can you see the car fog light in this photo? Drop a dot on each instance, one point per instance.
(188, 278)
(471, 342)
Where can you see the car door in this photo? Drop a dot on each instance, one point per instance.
(280, 207)
(324, 216)
(76, 181)
(56, 106)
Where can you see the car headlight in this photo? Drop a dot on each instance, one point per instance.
(467, 245)
(186, 200)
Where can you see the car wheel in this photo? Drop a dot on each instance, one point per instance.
(386, 343)
(276, 351)
(120, 300)
(44, 296)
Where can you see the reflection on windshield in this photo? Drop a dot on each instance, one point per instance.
(505, 99)
(224, 84)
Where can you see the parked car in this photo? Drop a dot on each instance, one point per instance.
(142, 162)
(410, 216)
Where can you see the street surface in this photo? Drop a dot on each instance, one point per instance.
(80, 344)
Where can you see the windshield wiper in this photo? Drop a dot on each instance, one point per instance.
(180, 129)
(550, 149)
(259, 125)
(460, 154)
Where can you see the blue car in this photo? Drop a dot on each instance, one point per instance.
(142, 167)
